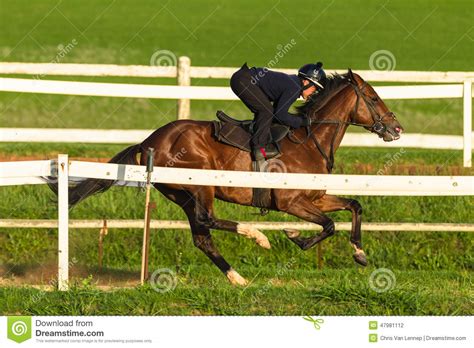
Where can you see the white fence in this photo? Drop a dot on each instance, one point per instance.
(126, 90)
(117, 136)
(30, 172)
(460, 86)
(198, 72)
(98, 224)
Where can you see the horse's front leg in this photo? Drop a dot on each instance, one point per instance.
(328, 203)
(302, 207)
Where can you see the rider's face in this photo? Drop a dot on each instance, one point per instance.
(307, 92)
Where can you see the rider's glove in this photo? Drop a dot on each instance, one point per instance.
(305, 122)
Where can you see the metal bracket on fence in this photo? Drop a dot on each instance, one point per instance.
(102, 233)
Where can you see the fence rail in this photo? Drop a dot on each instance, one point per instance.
(22, 173)
(371, 185)
(133, 136)
(62, 69)
(126, 90)
(184, 92)
(266, 225)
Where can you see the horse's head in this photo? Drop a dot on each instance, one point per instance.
(371, 112)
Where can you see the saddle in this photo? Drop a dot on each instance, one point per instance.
(238, 134)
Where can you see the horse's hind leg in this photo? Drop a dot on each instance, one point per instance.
(199, 213)
(205, 216)
(203, 240)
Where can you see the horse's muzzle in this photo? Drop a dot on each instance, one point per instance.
(392, 133)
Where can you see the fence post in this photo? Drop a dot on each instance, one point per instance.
(467, 126)
(184, 79)
(146, 229)
(63, 222)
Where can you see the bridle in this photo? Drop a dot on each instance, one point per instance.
(377, 126)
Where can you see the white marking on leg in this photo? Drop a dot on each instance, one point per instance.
(251, 232)
(292, 233)
(235, 278)
(357, 250)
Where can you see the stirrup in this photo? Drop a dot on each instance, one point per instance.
(265, 153)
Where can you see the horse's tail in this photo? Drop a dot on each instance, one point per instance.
(89, 187)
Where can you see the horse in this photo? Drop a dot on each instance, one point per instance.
(346, 100)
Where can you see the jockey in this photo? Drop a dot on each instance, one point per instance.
(270, 94)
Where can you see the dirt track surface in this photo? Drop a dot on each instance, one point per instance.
(44, 276)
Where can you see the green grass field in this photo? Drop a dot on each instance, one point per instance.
(435, 35)
(295, 292)
(422, 36)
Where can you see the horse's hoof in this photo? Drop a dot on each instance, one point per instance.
(359, 257)
(251, 232)
(235, 278)
(263, 242)
(291, 232)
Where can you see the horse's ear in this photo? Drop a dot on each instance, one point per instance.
(350, 76)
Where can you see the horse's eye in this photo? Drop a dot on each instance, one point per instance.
(375, 99)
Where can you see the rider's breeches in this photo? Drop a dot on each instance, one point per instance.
(242, 84)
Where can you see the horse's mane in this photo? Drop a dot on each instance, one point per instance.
(318, 100)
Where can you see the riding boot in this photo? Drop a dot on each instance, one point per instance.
(265, 152)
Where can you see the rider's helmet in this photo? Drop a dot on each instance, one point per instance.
(314, 73)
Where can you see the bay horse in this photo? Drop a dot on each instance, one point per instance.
(346, 100)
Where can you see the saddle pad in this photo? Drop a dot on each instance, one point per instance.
(234, 135)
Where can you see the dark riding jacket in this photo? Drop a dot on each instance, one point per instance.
(282, 89)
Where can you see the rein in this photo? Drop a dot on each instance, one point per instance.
(309, 134)
(377, 126)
